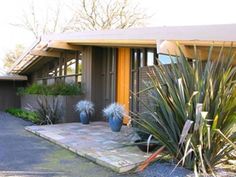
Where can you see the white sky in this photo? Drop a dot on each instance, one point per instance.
(165, 13)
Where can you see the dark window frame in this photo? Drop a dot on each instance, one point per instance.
(61, 63)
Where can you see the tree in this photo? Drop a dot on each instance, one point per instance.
(44, 20)
(108, 14)
(70, 16)
(12, 55)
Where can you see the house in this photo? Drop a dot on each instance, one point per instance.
(8, 89)
(110, 64)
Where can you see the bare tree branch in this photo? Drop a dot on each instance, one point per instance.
(83, 15)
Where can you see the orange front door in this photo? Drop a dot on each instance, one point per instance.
(123, 79)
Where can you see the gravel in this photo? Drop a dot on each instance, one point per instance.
(166, 170)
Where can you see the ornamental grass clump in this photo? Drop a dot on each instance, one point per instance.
(194, 119)
(86, 106)
(114, 110)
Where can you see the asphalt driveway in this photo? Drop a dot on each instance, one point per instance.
(24, 154)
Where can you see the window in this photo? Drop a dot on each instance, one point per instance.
(67, 69)
(79, 71)
(150, 57)
(143, 57)
(71, 67)
(166, 59)
(58, 71)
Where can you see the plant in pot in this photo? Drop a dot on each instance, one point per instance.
(114, 113)
(85, 109)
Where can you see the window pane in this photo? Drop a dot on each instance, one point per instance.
(50, 81)
(165, 59)
(70, 69)
(80, 67)
(58, 71)
(63, 70)
(150, 58)
(70, 79)
(79, 78)
(142, 62)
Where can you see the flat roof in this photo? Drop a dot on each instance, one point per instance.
(202, 35)
(224, 32)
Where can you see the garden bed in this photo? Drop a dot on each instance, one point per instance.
(67, 104)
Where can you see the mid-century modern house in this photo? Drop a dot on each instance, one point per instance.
(110, 64)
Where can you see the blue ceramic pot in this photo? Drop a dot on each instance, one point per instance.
(115, 124)
(84, 117)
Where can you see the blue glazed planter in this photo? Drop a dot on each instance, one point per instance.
(84, 117)
(115, 124)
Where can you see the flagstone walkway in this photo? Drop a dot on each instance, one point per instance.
(96, 142)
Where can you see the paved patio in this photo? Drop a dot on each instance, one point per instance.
(96, 142)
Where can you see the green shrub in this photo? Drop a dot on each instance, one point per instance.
(34, 89)
(65, 89)
(194, 118)
(26, 115)
(55, 89)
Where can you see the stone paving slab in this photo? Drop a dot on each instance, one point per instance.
(96, 142)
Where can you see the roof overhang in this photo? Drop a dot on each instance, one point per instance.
(51, 45)
(13, 78)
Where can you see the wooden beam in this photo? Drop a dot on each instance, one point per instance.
(114, 42)
(208, 43)
(45, 53)
(64, 46)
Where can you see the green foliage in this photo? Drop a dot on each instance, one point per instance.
(193, 111)
(26, 115)
(55, 89)
(64, 89)
(38, 89)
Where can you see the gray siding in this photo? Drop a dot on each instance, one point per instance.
(87, 71)
(8, 96)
